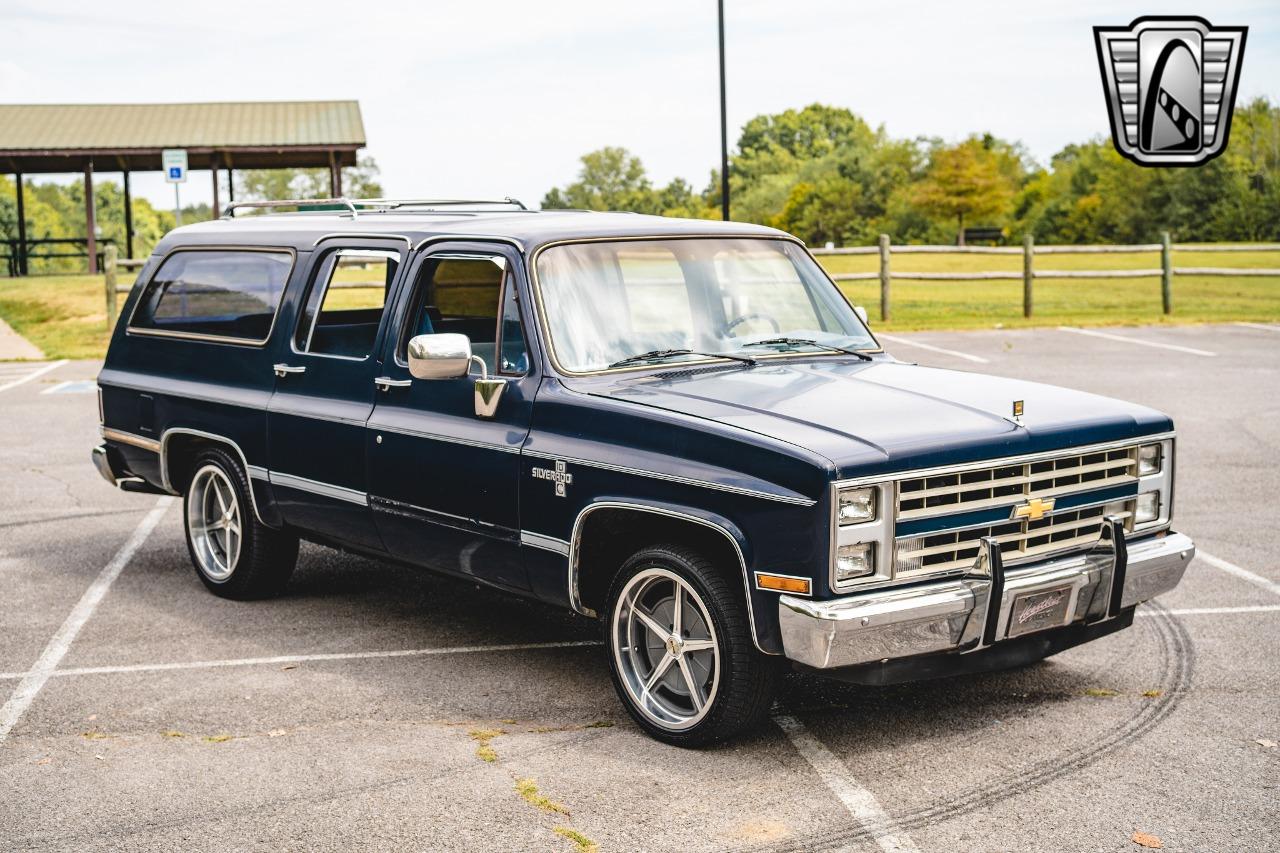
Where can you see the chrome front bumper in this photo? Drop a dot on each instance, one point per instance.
(972, 612)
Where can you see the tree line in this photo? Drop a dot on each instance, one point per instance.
(825, 175)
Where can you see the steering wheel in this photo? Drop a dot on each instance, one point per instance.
(728, 327)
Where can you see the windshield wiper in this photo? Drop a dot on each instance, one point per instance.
(808, 342)
(659, 354)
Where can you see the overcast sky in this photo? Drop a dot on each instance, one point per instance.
(488, 98)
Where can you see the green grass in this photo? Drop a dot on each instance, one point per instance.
(1094, 302)
(65, 315)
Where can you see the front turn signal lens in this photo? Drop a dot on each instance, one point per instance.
(784, 583)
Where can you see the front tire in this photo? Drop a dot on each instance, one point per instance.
(234, 555)
(680, 649)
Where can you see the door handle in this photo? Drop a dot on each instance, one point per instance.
(386, 383)
(282, 370)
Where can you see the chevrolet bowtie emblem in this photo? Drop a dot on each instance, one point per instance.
(1033, 510)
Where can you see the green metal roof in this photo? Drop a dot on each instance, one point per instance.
(247, 124)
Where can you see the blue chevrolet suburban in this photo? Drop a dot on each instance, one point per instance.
(681, 428)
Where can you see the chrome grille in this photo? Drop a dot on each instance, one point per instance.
(1008, 484)
(1019, 540)
(944, 494)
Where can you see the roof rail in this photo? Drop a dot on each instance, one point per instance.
(392, 203)
(355, 205)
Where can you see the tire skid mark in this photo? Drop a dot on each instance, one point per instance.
(197, 818)
(1177, 665)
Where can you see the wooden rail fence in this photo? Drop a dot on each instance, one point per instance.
(1165, 272)
(112, 263)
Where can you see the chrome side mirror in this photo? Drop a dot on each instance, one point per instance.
(862, 314)
(445, 356)
(448, 356)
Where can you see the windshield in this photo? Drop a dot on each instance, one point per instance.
(608, 303)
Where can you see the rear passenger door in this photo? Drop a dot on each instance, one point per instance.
(325, 390)
(443, 481)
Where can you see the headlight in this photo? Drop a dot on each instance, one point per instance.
(1149, 458)
(857, 506)
(855, 561)
(1148, 508)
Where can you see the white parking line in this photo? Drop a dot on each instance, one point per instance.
(1138, 341)
(907, 342)
(1204, 611)
(1244, 574)
(33, 375)
(859, 802)
(279, 659)
(53, 653)
(1262, 326)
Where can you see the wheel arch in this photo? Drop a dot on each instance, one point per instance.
(597, 547)
(179, 447)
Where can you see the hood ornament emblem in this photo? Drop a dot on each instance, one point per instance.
(1018, 409)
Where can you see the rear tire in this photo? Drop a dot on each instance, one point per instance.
(234, 555)
(697, 682)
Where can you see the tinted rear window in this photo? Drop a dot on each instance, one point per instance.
(226, 293)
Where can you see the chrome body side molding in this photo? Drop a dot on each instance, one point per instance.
(671, 478)
(315, 487)
(546, 543)
(129, 438)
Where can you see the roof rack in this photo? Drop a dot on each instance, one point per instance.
(355, 205)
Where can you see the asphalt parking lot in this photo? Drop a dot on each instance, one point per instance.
(376, 707)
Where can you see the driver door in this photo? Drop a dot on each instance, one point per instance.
(442, 480)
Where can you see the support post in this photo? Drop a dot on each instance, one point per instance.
(21, 260)
(724, 125)
(90, 219)
(1028, 273)
(231, 186)
(128, 217)
(335, 177)
(1166, 272)
(213, 167)
(884, 278)
(109, 274)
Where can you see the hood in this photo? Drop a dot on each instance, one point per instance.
(884, 416)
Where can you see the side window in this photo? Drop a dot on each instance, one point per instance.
(225, 293)
(345, 302)
(474, 296)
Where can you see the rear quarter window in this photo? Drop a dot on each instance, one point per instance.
(223, 293)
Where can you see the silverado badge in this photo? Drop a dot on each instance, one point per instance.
(557, 475)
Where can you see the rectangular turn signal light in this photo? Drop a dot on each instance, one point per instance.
(783, 583)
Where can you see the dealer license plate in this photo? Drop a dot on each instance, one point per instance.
(1036, 611)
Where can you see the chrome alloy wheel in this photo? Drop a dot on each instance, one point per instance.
(664, 646)
(214, 523)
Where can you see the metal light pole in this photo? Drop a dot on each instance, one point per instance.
(724, 127)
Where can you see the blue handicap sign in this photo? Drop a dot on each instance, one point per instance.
(175, 172)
